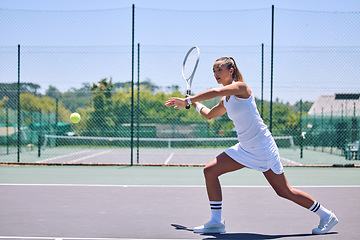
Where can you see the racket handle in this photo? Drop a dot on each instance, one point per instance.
(188, 92)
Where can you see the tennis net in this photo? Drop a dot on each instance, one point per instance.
(77, 141)
(113, 150)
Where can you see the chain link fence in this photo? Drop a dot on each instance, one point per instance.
(84, 61)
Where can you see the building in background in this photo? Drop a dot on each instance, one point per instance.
(333, 121)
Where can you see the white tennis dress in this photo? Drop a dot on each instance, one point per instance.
(256, 148)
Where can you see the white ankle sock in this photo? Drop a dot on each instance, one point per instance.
(322, 212)
(216, 208)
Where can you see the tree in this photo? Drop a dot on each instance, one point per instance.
(35, 104)
(173, 88)
(53, 92)
(73, 99)
(148, 84)
(31, 87)
(101, 96)
(305, 106)
(10, 90)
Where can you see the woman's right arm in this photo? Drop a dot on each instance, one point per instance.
(214, 112)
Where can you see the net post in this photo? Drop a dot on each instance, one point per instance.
(292, 143)
(45, 141)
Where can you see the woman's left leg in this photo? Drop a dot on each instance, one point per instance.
(283, 189)
(281, 186)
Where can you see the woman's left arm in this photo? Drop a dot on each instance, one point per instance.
(239, 89)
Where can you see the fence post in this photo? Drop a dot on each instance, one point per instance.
(7, 130)
(262, 81)
(40, 133)
(56, 119)
(138, 106)
(272, 67)
(354, 126)
(301, 135)
(132, 86)
(18, 108)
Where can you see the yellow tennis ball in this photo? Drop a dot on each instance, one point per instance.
(75, 117)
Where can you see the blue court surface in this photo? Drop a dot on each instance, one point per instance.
(119, 202)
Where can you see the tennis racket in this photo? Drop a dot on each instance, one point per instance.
(189, 67)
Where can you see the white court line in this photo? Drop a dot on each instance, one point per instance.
(169, 158)
(90, 156)
(170, 186)
(62, 156)
(78, 238)
(20, 237)
(290, 161)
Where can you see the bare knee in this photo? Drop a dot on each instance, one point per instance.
(210, 172)
(220, 165)
(286, 193)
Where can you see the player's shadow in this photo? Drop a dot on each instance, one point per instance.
(247, 236)
(255, 236)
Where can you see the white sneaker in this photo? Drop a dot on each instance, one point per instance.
(326, 226)
(211, 228)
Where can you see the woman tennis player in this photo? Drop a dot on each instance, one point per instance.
(256, 148)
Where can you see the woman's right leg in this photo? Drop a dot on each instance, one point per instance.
(218, 166)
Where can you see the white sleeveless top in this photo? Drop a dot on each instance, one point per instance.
(256, 148)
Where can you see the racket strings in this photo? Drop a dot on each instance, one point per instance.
(190, 63)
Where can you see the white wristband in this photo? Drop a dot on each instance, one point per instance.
(189, 101)
(199, 107)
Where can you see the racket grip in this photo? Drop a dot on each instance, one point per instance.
(188, 92)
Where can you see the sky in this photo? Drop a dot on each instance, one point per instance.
(315, 51)
(316, 5)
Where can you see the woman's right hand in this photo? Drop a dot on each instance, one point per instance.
(176, 102)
